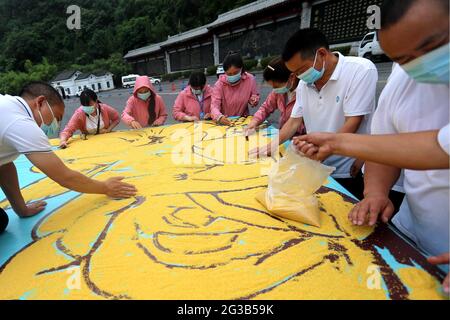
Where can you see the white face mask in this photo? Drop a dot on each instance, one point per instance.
(144, 96)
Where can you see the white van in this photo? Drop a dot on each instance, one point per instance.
(370, 48)
(129, 80)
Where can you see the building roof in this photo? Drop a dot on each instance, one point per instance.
(222, 19)
(83, 76)
(64, 75)
(193, 33)
(101, 73)
(250, 8)
(144, 50)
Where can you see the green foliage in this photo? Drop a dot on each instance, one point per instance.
(172, 76)
(165, 77)
(11, 81)
(177, 75)
(211, 70)
(31, 30)
(265, 61)
(186, 74)
(35, 42)
(250, 64)
(343, 50)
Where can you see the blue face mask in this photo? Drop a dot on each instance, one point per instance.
(432, 67)
(282, 90)
(235, 78)
(52, 129)
(144, 96)
(312, 75)
(89, 109)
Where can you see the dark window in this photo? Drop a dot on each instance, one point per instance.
(367, 39)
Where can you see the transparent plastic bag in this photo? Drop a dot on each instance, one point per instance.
(293, 182)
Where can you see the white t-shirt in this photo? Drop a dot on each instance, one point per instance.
(350, 92)
(378, 126)
(19, 133)
(408, 106)
(443, 138)
(92, 123)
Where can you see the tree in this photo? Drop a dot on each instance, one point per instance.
(33, 29)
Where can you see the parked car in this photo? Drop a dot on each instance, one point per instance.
(220, 70)
(155, 80)
(129, 80)
(370, 48)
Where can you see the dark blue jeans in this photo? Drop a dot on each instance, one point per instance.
(3, 220)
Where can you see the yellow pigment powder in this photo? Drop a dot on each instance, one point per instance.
(195, 230)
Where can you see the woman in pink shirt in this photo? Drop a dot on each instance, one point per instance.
(144, 108)
(234, 91)
(93, 117)
(194, 102)
(284, 84)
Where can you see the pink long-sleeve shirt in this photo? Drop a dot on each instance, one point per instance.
(137, 109)
(187, 103)
(281, 102)
(78, 121)
(233, 100)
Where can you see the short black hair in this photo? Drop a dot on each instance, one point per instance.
(233, 59)
(87, 96)
(35, 89)
(306, 42)
(392, 11)
(197, 79)
(276, 71)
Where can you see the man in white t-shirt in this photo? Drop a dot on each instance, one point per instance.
(414, 34)
(335, 94)
(24, 122)
(408, 106)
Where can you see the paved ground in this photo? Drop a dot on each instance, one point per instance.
(118, 98)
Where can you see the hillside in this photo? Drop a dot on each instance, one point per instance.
(35, 30)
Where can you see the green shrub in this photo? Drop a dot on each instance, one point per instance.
(211, 70)
(186, 74)
(250, 64)
(343, 50)
(174, 76)
(11, 82)
(177, 75)
(265, 61)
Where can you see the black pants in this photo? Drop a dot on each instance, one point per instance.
(356, 187)
(3, 220)
(397, 199)
(353, 185)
